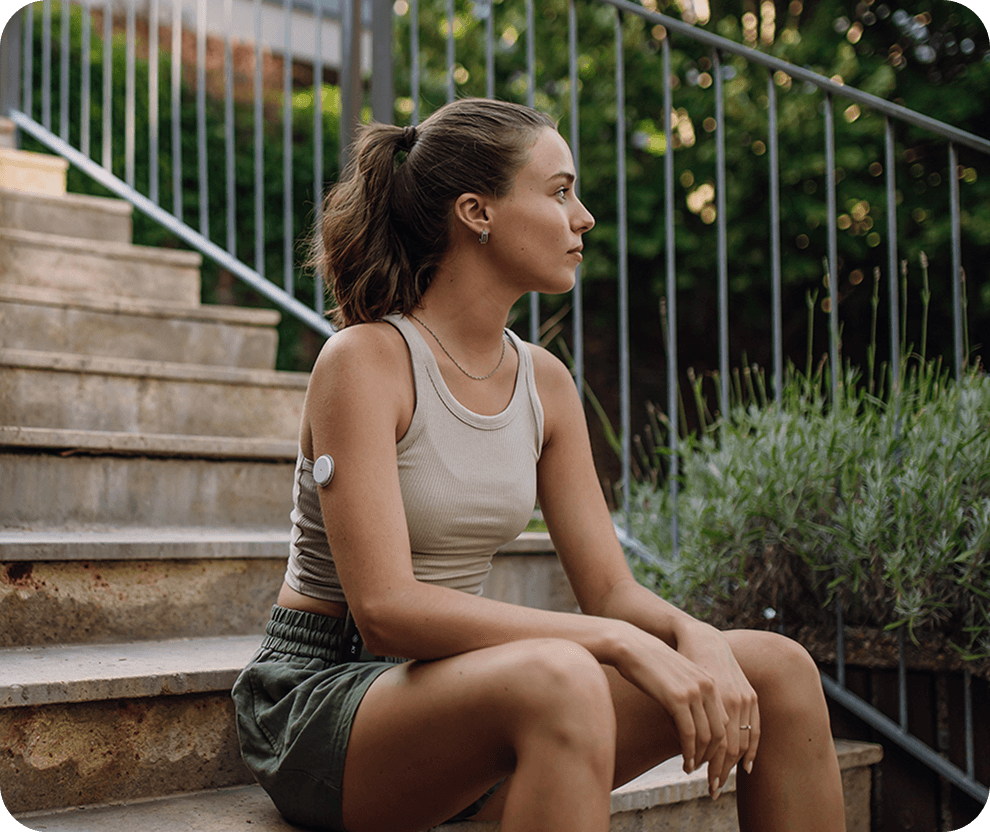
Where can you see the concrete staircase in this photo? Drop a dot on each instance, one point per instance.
(146, 456)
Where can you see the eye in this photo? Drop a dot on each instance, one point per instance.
(561, 192)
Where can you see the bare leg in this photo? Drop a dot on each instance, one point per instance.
(795, 783)
(429, 738)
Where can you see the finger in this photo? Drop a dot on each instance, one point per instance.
(687, 733)
(703, 740)
(754, 739)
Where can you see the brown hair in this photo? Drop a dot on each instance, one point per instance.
(386, 224)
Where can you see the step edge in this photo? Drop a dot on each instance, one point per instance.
(95, 672)
(109, 205)
(148, 444)
(111, 249)
(149, 308)
(140, 368)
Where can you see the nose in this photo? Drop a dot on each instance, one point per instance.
(583, 219)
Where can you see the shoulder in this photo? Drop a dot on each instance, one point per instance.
(363, 350)
(551, 374)
(363, 372)
(556, 389)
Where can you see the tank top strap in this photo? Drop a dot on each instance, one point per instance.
(419, 350)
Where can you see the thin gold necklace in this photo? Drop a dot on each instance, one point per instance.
(456, 363)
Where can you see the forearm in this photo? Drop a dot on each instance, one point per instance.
(631, 602)
(423, 621)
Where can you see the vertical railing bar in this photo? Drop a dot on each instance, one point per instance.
(671, 299)
(623, 267)
(129, 96)
(577, 294)
(957, 326)
(721, 245)
(490, 51)
(534, 297)
(288, 266)
(414, 54)
(153, 56)
(892, 288)
(451, 51)
(318, 149)
(28, 95)
(204, 202)
(107, 82)
(46, 64)
(382, 63)
(11, 65)
(833, 257)
(902, 705)
(968, 721)
(176, 61)
(259, 172)
(84, 93)
(228, 121)
(775, 276)
(840, 645)
(63, 64)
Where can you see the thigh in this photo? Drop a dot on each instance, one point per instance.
(429, 738)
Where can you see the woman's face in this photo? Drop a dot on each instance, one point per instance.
(535, 230)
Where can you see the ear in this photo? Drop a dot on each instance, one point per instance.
(471, 212)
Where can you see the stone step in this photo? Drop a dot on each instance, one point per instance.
(661, 799)
(65, 390)
(40, 173)
(74, 215)
(107, 600)
(95, 325)
(85, 585)
(71, 264)
(96, 723)
(49, 491)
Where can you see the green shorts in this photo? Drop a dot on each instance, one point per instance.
(295, 704)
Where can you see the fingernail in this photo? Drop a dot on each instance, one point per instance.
(717, 791)
(748, 766)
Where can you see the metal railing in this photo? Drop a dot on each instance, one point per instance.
(337, 46)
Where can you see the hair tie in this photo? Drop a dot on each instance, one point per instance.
(408, 138)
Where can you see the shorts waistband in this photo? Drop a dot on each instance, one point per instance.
(312, 635)
(328, 638)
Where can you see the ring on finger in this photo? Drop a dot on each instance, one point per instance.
(745, 728)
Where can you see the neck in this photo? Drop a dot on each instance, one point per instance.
(465, 310)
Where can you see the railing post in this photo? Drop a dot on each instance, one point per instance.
(351, 92)
(10, 64)
(382, 85)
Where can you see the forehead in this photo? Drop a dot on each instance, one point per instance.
(549, 157)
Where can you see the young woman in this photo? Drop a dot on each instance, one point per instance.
(388, 694)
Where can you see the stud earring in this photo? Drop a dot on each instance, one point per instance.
(484, 237)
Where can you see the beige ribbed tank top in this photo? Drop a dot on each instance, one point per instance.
(468, 482)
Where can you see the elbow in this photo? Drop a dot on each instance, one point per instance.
(376, 622)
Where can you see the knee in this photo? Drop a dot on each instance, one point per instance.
(563, 692)
(789, 680)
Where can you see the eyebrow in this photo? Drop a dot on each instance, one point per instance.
(570, 177)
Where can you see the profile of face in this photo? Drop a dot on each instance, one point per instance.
(535, 230)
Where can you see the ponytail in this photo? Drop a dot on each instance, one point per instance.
(386, 224)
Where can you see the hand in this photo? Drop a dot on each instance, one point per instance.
(709, 650)
(686, 691)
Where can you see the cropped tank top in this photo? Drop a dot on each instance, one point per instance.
(468, 482)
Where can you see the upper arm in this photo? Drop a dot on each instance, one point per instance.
(359, 402)
(569, 492)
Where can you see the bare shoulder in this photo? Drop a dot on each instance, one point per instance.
(555, 385)
(362, 373)
(550, 372)
(363, 349)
